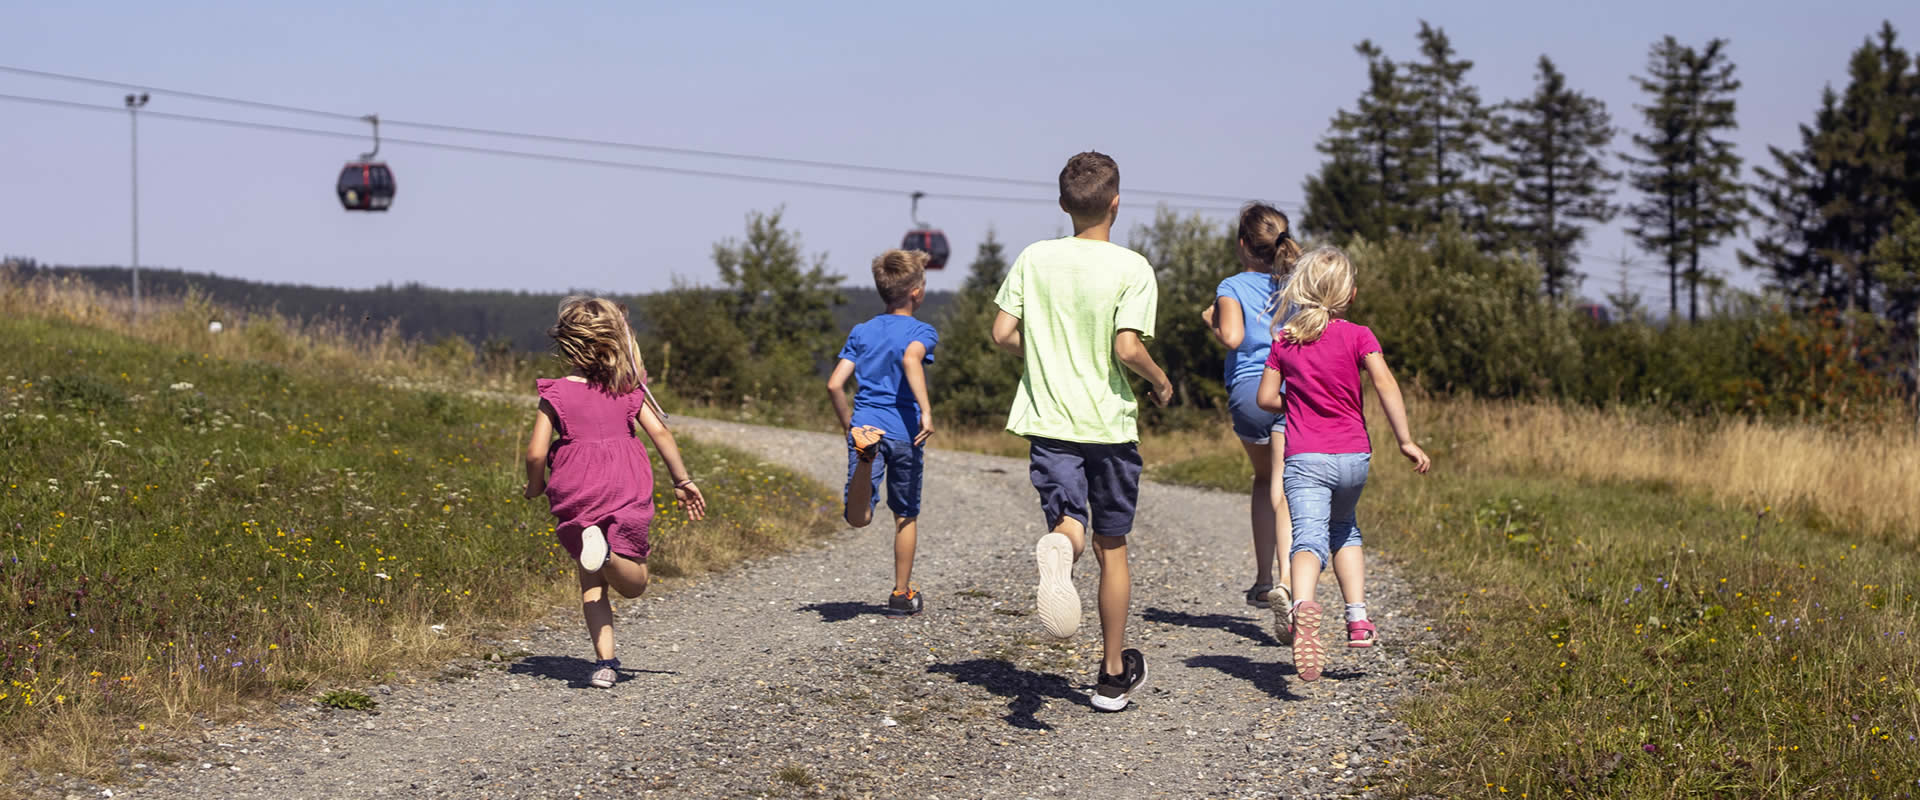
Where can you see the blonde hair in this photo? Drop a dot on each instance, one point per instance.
(593, 336)
(1321, 287)
(897, 272)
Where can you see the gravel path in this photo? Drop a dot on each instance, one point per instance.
(779, 678)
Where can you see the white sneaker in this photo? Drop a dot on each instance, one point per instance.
(1055, 597)
(593, 549)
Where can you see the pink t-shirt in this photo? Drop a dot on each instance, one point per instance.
(1325, 411)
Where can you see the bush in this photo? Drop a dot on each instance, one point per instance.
(1454, 318)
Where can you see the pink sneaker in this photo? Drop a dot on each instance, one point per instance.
(1361, 634)
(1309, 655)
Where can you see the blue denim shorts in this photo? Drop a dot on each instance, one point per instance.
(1322, 490)
(1097, 484)
(1253, 424)
(898, 463)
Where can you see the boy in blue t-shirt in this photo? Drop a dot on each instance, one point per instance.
(890, 417)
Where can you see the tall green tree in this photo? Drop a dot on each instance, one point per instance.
(1554, 142)
(1692, 198)
(1368, 185)
(1841, 193)
(1451, 132)
(779, 300)
(972, 383)
(1190, 255)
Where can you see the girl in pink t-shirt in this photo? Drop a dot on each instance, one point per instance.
(1318, 358)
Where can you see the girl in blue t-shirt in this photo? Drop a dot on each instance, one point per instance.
(1241, 317)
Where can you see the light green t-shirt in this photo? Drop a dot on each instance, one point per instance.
(1072, 295)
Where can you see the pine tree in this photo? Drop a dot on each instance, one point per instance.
(1554, 142)
(1451, 133)
(973, 386)
(1367, 186)
(1693, 199)
(776, 301)
(1841, 193)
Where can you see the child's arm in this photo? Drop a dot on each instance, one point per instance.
(1227, 321)
(537, 451)
(1268, 396)
(1395, 407)
(1006, 333)
(1132, 352)
(916, 371)
(837, 391)
(683, 488)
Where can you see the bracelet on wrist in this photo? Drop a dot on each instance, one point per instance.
(683, 483)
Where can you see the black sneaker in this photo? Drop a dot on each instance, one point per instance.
(1114, 692)
(904, 604)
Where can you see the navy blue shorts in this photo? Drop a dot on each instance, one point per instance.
(1097, 484)
(898, 463)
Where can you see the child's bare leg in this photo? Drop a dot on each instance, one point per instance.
(627, 576)
(1075, 533)
(1282, 517)
(1350, 566)
(1306, 574)
(1264, 533)
(859, 512)
(598, 610)
(1116, 593)
(905, 537)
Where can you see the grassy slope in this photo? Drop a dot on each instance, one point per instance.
(180, 533)
(1636, 639)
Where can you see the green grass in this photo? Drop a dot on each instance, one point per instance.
(1634, 640)
(180, 534)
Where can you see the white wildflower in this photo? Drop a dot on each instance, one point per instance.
(382, 576)
(181, 386)
(116, 443)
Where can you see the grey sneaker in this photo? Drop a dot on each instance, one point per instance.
(904, 604)
(606, 675)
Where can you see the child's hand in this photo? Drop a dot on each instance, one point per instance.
(535, 490)
(1421, 463)
(926, 429)
(1163, 394)
(1208, 314)
(689, 496)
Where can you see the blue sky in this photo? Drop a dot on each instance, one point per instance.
(1220, 98)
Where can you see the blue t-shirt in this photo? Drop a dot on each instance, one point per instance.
(884, 399)
(1254, 291)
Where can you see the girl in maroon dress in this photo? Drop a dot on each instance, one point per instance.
(601, 488)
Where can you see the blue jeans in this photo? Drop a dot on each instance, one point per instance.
(1322, 490)
(898, 462)
(1253, 424)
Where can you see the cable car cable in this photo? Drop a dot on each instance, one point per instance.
(573, 140)
(581, 160)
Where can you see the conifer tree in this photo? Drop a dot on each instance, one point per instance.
(1368, 184)
(1692, 198)
(776, 299)
(1451, 131)
(1553, 143)
(975, 381)
(1831, 201)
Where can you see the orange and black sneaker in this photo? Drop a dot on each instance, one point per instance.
(904, 604)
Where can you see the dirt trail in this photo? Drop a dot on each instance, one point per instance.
(780, 678)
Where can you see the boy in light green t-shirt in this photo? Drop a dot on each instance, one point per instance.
(1076, 310)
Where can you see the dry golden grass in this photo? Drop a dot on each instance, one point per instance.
(1862, 479)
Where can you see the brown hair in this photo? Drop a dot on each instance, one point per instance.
(593, 336)
(1088, 185)
(1267, 236)
(897, 272)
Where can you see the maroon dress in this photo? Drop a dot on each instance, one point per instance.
(600, 471)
